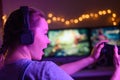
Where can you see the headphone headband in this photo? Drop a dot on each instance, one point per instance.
(27, 35)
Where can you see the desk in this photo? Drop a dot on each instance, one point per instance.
(94, 74)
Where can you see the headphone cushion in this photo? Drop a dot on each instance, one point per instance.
(27, 37)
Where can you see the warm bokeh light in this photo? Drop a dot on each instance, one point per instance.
(113, 19)
(71, 20)
(62, 20)
(80, 19)
(52, 18)
(85, 16)
(91, 14)
(109, 11)
(114, 23)
(49, 21)
(96, 15)
(67, 22)
(104, 12)
(50, 15)
(114, 15)
(100, 12)
(75, 20)
(58, 18)
(4, 18)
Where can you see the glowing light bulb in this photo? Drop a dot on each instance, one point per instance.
(114, 15)
(109, 11)
(87, 16)
(91, 14)
(71, 20)
(49, 21)
(67, 22)
(104, 12)
(114, 23)
(50, 15)
(4, 17)
(80, 19)
(113, 19)
(100, 12)
(83, 16)
(54, 18)
(96, 15)
(58, 18)
(62, 20)
(75, 20)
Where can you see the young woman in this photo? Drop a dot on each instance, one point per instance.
(24, 39)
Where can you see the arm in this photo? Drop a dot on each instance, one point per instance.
(73, 67)
(116, 75)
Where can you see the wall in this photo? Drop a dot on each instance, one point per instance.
(68, 9)
(1, 22)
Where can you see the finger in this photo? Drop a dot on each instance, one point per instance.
(100, 47)
(103, 41)
(116, 51)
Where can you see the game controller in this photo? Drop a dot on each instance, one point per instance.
(109, 49)
(108, 53)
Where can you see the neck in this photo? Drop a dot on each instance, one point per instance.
(17, 54)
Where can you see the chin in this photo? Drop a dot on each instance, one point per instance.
(37, 58)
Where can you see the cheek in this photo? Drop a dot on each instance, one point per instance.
(43, 39)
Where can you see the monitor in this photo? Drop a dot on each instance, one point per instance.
(105, 33)
(68, 43)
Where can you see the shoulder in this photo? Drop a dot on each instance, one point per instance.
(42, 64)
(47, 70)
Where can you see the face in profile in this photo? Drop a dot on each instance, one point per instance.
(40, 40)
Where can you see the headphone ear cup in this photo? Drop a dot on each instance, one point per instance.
(27, 37)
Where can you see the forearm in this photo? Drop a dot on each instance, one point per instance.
(73, 67)
(116, 75)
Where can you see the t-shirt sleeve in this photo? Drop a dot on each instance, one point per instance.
(56, 73)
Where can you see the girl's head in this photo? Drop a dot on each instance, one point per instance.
(25, 20)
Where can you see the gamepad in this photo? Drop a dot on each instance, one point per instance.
(109, 49)
(108, 52)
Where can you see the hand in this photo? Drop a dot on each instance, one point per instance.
(116, 57)
(97, 49)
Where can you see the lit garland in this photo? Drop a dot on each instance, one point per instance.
(52, 18)
(4, 18)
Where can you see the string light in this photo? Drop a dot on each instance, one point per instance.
(114, 23)
(109, 11)
(83, 17)
(51, 18)
(50, 15)
(114, 15)
(49, 21)
(4, 18)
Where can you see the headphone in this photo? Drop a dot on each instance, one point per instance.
(26, 36)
